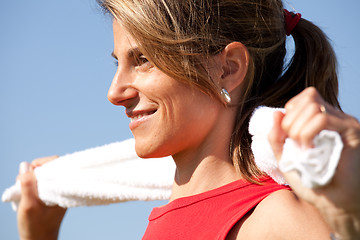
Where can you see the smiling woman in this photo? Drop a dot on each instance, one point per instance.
(189, 74)
(157, 104)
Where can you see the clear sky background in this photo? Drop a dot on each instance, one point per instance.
(55, 69)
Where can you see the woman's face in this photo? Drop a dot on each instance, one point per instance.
(167, 117)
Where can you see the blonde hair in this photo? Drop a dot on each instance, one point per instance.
(176, 35)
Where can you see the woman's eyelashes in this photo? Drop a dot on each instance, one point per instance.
(116, 63)
(142, 63)
(139, 62)
(141, 59)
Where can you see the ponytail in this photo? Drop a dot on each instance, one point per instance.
(313, 64)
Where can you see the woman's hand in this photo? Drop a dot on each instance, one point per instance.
(35, 219)
(339, 202)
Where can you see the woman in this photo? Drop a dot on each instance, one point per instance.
(189, 74)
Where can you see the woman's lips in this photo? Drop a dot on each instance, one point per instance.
(137, 118)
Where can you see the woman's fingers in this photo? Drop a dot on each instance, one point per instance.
(299, 119)
(40, 161)
(28, 184)
(277, 135)
(29, 193)
(308, 130)
(309, 123)
(24, 167)
(307, 114)
(35, 219)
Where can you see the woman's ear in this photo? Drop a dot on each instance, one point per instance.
(235, 61)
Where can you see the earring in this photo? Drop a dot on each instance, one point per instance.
(225, 95)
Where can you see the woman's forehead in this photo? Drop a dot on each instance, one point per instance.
(123, 41)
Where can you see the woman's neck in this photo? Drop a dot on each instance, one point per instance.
(203, 168)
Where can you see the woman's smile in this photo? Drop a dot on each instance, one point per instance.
(138, 117)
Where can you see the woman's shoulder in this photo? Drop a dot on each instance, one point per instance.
(281, 215)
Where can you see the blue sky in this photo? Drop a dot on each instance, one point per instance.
(55, 69)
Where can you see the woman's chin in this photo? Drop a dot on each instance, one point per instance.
(144, 150)
(149, 151)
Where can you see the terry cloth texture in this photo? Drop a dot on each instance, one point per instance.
(99, 176)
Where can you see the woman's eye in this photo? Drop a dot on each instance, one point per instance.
(141, 60)
(143, 63)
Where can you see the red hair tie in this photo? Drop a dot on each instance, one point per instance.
(291, 21)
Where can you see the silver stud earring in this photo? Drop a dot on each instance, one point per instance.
(225, 95)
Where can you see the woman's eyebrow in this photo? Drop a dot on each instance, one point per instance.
(132, 52)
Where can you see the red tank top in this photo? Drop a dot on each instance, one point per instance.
(208, 215)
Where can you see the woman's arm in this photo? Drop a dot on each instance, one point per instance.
(36, 221)
(339, 201)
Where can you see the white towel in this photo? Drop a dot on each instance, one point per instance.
(315, 166)
(113, 173)
(260, 125)
(99, 176)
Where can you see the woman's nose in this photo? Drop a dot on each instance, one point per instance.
(121, 91)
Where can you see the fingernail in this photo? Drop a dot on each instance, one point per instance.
(24, 167)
